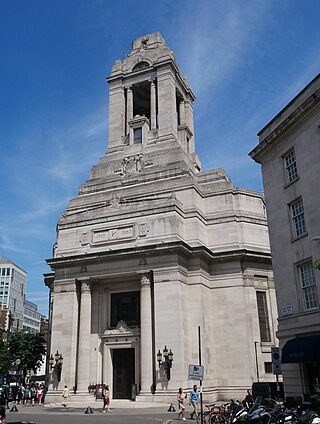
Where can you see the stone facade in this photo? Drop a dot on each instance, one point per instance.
(289, 152)
(152, 248)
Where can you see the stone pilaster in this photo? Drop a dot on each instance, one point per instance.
(182, 112)
(83, 371)
(167, 110)
(116, 115)
(146, 334)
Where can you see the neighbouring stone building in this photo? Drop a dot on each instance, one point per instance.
(289, 153)
(153, 248)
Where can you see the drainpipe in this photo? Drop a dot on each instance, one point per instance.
(153, 353)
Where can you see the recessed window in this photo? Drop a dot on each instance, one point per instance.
(268, 368)
(291, 166)
(140, 65)
(263, 317)
(125, 307)
(137, 135)
(309, 289)
(297, 215)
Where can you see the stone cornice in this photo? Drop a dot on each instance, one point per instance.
(258, 152)
(178, 247)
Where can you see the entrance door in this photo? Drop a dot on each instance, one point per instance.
(123, 373)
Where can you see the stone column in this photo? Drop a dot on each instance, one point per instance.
(153, 105)
(182, 112)
(129, 106)
(146, 335)
(83, 372)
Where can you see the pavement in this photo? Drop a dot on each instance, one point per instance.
(123, 411)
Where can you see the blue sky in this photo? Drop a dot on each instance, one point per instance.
(244, 59)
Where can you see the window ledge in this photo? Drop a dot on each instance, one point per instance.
(299, 237)
(291, 182)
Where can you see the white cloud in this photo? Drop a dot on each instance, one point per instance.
(7, 244)
(219, 36)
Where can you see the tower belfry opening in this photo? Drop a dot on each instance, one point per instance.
(141, 99)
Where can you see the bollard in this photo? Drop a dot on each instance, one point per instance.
(171, 408)
(14, 408)
(88, 410)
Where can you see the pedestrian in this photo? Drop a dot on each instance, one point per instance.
(32, 394)
(66, 396)
(106, 399)
(181, 397)
(20, 393)
(194, 401)
(248, 400)
(2, 411)
(26, 395)
(39, 395)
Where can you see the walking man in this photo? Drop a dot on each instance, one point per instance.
(66, 396)
(194, 401)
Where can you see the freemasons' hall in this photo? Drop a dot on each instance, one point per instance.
(152, 249)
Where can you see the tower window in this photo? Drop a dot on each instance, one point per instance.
(137, 135)
(140, 65)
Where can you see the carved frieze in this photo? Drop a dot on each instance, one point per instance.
(113, 234)
(132, 164)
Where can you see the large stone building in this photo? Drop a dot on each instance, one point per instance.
(152, 248)
(289, 153)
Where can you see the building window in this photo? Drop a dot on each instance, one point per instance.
(137, 135)
(309, 289)
(297, 215)
(291, 166)
(268, 368)
(125, 307)
(263, 317)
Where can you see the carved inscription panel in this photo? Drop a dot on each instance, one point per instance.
(113, 234)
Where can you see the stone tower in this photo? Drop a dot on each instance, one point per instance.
(152, 248)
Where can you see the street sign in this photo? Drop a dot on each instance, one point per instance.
(276, 361)
(196, 372)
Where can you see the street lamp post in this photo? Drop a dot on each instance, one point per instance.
(56, 362)
(166, 361)
(18, 362)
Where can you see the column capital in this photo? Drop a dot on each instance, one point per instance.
(145, 280)
(85, 286)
